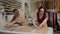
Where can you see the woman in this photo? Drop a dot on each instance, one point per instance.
(16, 19)
(42, 17)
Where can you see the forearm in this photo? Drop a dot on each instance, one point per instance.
(11, 23)
(34, 24)
(45, 21)
(33, 21)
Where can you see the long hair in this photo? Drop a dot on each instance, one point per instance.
(44, 15)
(16, 14)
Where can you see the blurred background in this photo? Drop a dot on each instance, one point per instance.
(27, 9)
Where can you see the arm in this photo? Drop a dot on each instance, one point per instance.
(45, 20)
(10, 23)
(34, 22)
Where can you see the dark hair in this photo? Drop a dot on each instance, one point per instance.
(40, 8)
(44, 15)
(14, 10)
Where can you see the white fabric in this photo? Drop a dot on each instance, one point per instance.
(50, 31)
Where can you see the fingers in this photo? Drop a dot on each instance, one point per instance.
(9, 24)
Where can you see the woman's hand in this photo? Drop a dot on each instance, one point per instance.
(36, 26)
(10, 23)
(7, 25)
(39, 27)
